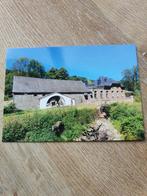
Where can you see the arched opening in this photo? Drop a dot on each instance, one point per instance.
(55, 101)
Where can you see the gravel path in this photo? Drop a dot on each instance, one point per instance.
(109, 129)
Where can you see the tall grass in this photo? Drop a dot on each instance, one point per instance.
(128, 119)
(36, 126)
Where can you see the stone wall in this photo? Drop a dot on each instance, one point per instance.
(79, 98)
(25, 101)
(31, 101)
(115, 93)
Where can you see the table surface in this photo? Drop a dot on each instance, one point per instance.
(41, 169)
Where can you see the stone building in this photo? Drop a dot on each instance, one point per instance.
(106, 90)
(29, 93)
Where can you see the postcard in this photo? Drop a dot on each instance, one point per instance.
(72, 93)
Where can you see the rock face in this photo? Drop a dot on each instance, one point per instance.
(101, 130)
(58, 128)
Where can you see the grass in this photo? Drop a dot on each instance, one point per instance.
(127, 119)
(36, 125)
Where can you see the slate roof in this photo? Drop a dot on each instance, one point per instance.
(38, 85)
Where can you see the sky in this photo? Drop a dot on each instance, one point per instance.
(87, 61)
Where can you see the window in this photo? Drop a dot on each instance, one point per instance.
(117, 93)
(112, 92)
(86, 97)
(122, 94)
(95, 94)
(106, 94)
(101, 94)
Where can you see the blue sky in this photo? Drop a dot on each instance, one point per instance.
(86, 61)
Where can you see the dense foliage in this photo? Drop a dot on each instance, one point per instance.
(130, 79)
(37, 126)
(128, 119)
(54, 73)
(33, 68)
(10, 108)
(8, 84)
(28, 67)
(22, 67)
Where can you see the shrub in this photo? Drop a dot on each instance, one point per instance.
(127, 119)
(37, 126)
(6, 98)
(133, 126)
(40, 136)
(15, 131)
(10, 109)
(75, 131)
(137, 96)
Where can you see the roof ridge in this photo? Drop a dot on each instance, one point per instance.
(47, 78)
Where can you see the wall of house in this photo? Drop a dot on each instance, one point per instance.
(79, 98)
(25, 101)
(115, 94)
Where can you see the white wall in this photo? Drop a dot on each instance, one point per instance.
(67, 101)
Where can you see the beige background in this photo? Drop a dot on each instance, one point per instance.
(113, 169)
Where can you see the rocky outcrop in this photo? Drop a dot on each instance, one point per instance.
(58, 128)
(100, 130)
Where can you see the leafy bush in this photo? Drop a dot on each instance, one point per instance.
(6, 98)
(127, 119)
(133, 127)
(10, 109)
(137, 96)
(14, 131)
(37, 126)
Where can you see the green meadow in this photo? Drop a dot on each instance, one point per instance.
(36, 125)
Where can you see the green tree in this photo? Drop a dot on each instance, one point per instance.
(28, 67)
(35, 69)
(52, 73)
(20, 67)
(8, 84)
(130, 79)
(62, 74)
